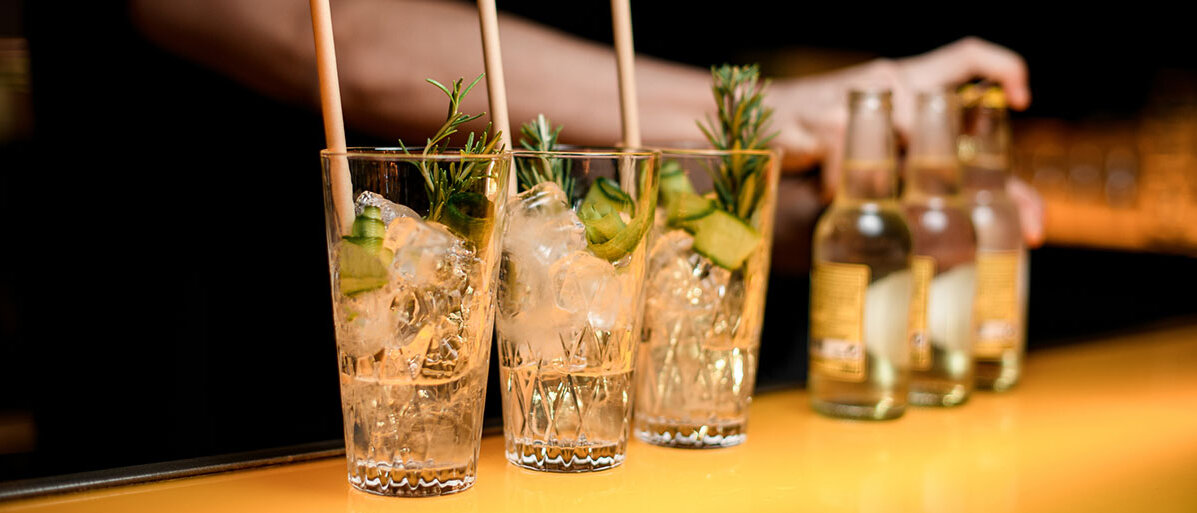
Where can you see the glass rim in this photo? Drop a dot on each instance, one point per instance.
(714, 152)
(400, 153)
(570, 151)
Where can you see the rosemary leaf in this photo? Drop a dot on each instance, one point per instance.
(743, 124)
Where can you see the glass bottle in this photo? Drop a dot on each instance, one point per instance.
(1000, 310)
(943, 270)
(860, 277)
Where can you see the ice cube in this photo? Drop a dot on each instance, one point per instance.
(390, 210)
(670, 247)
(712, 279)
(363, 324)
(427, 254)
(728, 311)
(681, 279)
(537, 333)
(586, 284)
(541, 227)
(421, 319)
(447, 353)
(544, 196)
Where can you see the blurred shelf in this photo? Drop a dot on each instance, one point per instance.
(1100, 427)
(1129, 185)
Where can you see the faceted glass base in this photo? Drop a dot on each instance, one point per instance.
(549, 458)
(883, 410)
(692, 436)
(938, 395)
(397, 482)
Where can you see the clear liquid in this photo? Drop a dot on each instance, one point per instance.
(412, 356)
(995, 219)
(698, 358)
(695, 396)
(566, 421)
(941, 229)
(568, 329)
(871, 233)
(413, 438)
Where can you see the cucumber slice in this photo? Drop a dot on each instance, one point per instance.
(601, 228)
(467, 214)
(361, 269)
(723, 238)
(687, 207)
(612, 191)
(674, 182)
(603, 212)
(369, 223)
(363, 260)
(626, 240)
(604, 192)
(623, 242)
(370, 244)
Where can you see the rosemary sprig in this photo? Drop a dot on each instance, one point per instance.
(743, 124)
(539, 135)
(442, 181)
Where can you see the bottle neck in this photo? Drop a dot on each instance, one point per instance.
(932, 168)
(984, 149)
(868, 181)
(932, 177)
(868, 172)
(986, 173)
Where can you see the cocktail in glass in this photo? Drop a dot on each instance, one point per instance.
(413, 283)
(705, 295)
(573, 261)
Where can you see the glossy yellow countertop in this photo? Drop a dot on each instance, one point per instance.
(1109, 425)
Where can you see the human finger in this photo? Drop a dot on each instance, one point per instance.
(970, 58)
(1030, 210)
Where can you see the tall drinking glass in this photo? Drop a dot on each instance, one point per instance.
(705, 296)
(573, 262)
(413, 283)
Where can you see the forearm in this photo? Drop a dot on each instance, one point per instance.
(571, 81)
(385, 50)
(265, 44)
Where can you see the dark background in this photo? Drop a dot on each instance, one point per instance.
(143, 318)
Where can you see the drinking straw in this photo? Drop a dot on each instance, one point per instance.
(334, 124)
(621, 16)
(496, 89)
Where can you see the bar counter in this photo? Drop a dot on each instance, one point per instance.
(1103, 425)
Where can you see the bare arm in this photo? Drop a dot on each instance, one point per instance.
(386, 49)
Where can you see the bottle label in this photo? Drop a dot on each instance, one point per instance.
(837, 348)
(996, 302)
(922, 268)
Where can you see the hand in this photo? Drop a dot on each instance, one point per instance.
(1030, 210)
(812, 115)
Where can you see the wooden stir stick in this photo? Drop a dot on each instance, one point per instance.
(334, 123)
(625, 55)
(496, 88)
